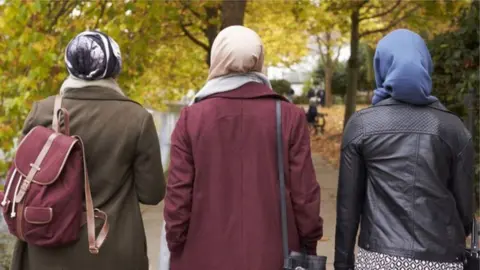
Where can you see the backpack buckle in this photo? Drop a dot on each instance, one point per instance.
(35, 167)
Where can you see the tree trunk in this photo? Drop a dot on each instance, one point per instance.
(370, 72)
(233, 12)
(370, 53)
(328, 71)
(353, 68)
(212, 29)
(370, 94)
(328, 67)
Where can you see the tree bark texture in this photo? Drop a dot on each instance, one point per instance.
(233, 12)
(329, 61)
(211, 30)
(328, 71)
(353, 67)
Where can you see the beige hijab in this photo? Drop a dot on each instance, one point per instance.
(236, 49)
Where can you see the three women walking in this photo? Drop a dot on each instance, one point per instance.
(406, 171)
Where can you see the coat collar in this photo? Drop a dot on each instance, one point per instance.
(390, 101)
(95, 93)
(251, 90)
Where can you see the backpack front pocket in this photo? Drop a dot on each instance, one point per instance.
(37, 220)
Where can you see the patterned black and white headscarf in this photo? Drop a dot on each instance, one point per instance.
(93, 55)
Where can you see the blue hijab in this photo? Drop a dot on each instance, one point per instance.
(403, 66)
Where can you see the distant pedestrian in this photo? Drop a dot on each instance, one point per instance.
(311, 93)
(321, 97)
(312, 111)
(290, 95)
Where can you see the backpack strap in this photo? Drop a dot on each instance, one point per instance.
(94, 242)
(56, 107)
(281, 184)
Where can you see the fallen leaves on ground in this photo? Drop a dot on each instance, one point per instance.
(328, 144)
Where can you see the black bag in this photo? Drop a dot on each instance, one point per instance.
(294, 260)
(472, 255)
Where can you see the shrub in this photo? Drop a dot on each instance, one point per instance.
(282, 87)
(303, 99)
(338, 100)
(456, 61)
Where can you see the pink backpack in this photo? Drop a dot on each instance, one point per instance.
(43, 199)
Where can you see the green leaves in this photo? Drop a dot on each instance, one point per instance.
(282, 87)
(281, 31)
(456, 61)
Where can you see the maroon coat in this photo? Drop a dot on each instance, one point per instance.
(222, 208)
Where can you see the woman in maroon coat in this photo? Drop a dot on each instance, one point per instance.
(222, 208)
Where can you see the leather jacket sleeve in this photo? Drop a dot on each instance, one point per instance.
(351, 192)
(462, 184)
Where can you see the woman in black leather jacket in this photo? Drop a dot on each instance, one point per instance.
(406, 172)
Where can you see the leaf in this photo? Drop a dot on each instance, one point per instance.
(38, 6)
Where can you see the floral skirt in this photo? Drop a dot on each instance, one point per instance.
(367, 260)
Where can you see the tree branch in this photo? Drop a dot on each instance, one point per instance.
(335, 6)
(363, 3)
(320, 40)
(50, 9)
(320, 51)
(368, 8)
(58, 15)
(102, 11)
(193, 38)
(392, 24)
(188, 7)
(323, 57)
(337, 55)
(65, 8)
(72, 5)
(381, 14)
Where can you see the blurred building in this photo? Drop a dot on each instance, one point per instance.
(296, 78)
(300, 73)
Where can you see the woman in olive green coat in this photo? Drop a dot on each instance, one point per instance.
(123, 160)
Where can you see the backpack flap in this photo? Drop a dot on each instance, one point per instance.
(41, 156)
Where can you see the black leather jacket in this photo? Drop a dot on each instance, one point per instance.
(406, 175)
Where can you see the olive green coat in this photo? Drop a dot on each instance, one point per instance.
(123, 160)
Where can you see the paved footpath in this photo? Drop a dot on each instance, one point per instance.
(326, 176)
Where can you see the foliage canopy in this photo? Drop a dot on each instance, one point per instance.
(160, 61)
(455, 78)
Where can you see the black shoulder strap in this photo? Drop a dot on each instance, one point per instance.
(281, 180)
